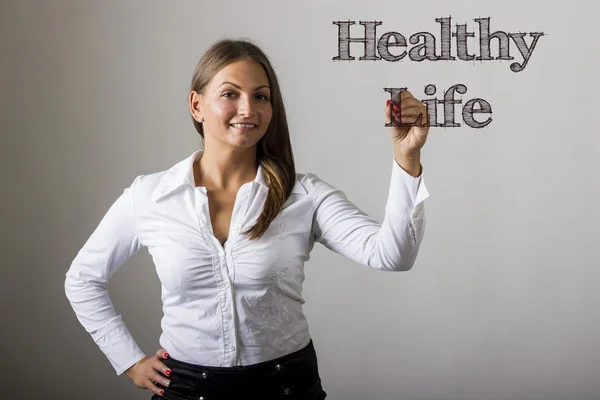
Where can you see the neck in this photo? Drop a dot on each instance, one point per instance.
(225, 170)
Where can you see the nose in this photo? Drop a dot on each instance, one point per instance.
(246, 106)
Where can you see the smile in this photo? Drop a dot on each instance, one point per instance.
(243, 126)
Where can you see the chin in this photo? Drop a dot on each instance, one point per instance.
(244, 143)
(252, 136)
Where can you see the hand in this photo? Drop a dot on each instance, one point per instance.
(409, 121)
(145, 373)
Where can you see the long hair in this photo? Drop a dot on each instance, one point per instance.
(274, 149)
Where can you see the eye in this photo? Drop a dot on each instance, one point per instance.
(227, 94)
(263, 97)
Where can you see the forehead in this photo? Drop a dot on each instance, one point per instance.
(245, 73)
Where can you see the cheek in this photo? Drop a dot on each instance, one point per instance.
(267, 114)
(223, 110)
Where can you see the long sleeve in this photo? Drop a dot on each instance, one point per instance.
(109, 246)
(390, 245)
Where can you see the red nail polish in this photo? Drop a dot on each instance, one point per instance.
(162, 392)
(168, 372)
(166, 355)
(387, 104)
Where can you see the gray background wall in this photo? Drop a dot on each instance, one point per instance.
(501, 303)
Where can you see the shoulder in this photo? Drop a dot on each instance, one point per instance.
(144, 187)
(314, 184)
(157, 185)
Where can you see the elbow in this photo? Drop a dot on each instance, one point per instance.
(401, 263)
(404, 266)
(80, 288)
(409, 260)
(70, 287)
(403, 255)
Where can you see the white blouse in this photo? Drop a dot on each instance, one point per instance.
(240, 303)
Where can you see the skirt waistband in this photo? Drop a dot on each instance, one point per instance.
(293, 376)
(306, 355)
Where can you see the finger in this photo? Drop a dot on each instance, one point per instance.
(159, 380)
(417, 119)
(406, 96)
(411, 115)
(388, 112)
(409, 103)
(398, 113)
(161, 367)
(162, 353)
(412, 103)
(402, 97)
(153, 388)
(415, 110)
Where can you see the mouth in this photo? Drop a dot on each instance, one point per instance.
(244, 127)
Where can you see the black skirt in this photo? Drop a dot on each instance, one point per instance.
(291, 377)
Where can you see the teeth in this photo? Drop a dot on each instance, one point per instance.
(243, 125)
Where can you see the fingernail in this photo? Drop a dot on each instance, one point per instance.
(162, 392)
(166, 354)
(167, 383)
(387, 104)
(168, 372)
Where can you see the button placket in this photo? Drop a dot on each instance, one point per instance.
(219, 265)
(229, 323)
(229, 326)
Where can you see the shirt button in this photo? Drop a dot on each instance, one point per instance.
(229, 316)
(278, 367)
(287, 391)
(235, 229)
(204, 375)
(232, 347)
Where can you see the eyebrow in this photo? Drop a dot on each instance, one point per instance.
(239, 87)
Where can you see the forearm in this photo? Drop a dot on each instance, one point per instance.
(96, 313)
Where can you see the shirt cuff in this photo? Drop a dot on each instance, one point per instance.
(119, 346)
(406, 193)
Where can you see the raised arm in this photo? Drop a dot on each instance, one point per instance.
(393, 244)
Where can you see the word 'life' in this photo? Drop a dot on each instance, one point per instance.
(473, 106)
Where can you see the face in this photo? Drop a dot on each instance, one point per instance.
(236, 105)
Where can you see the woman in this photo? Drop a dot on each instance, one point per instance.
(229, 229)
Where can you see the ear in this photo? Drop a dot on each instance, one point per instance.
(195, 104)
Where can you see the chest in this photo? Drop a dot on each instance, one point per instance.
(186, 233)
(220, 207)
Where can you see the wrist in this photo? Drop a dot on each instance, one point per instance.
(411, 163)
(407, 154)
(130, 370)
